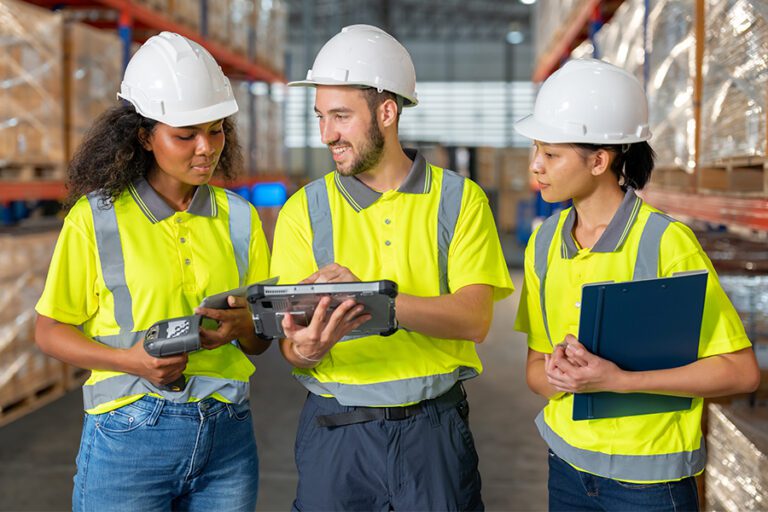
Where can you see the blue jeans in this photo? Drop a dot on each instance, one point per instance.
(159, 455)
(574, 490)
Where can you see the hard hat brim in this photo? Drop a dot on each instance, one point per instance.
(409, 102)
(191, 118)
(531, 128)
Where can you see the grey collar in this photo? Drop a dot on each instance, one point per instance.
(156, 209)
(360, 196)
(614, 235)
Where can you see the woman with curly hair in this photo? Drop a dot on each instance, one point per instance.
(145, 240)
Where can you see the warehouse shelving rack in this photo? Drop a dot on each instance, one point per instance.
(691, 196)
(133, 21)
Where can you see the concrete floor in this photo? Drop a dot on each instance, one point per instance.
(37, 452)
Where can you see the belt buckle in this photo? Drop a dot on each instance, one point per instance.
(395, 413)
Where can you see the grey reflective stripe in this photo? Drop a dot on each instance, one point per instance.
(541, 259)
(124, 340)
(320, 219)
(240, 232)
(112, 262)
(198, 387)
(647, 263)
(397, 392)
(451, 193)
(642, 468)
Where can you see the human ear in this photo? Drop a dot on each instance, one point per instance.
(388, 112)
(144, 139)
(601, 162)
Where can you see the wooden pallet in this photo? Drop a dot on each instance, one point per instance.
(19, 403)
(27, 172)
(743, 175)
(673, 178)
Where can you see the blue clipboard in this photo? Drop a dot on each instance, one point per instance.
(651, 324)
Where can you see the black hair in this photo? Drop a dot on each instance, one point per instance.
(632, 164)
(111, 155)
(374, 98)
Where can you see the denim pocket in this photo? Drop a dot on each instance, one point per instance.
(241, 412)
(125, 419)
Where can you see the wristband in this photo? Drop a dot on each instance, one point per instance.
(303, 357)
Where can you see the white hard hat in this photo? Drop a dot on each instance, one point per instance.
(177, 82)
(365, 55)
(588, 101)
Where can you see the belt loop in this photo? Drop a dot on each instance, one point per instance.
(159, 404)
(430, 407)
(230, 410)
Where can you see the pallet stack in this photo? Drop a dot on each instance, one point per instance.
(28, 378)
(31, 106)
(503, 174)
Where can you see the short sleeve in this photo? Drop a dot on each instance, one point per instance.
(258, 263)
(529, 318)
(292, 256)
(475, 255)
(70, 294)
(721, 328)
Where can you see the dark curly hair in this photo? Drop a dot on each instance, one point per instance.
(111, 156)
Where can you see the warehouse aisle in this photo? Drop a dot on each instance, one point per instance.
(37, 452)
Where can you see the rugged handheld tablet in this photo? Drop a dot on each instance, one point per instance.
(270, 303)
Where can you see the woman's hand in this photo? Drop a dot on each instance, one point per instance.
(571, 368)
(234, 323)
(157, 370)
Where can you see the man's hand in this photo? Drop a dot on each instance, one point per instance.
(573, 369)
(333, 273)
(234, 323)
(312, 342)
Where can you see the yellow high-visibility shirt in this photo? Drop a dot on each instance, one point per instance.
(613, 258)
(393, 235)
(172, 261)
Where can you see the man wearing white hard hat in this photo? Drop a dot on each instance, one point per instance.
(385, 425)
(590, 133)
(145, 240)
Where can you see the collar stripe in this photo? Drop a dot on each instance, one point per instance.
(345, 193)
(142, 205)
(630, 222)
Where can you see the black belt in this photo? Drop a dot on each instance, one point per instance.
(363, 414)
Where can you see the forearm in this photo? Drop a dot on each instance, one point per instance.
(464, 315)
(725, 374)
(536, 377)
(68, 344)
(253, 344)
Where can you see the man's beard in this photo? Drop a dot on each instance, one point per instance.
(370, 153)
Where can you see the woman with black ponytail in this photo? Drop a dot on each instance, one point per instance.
(590, 133)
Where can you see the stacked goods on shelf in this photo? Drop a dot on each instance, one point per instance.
(503, 174)
(93, 70)
(242, 16)
(28, 378)
(671, 40)
(31, 110)
(245, 132)
(187, 13)
(260, 126)
(620, 41)
(737, 458)
(549, 22)
(271, 33)
(734, 75)
(217, 21)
